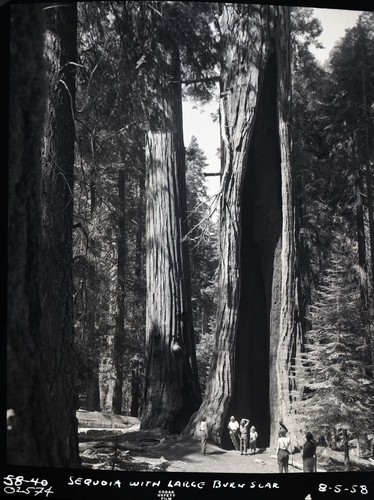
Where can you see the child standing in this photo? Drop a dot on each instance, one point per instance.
(253, 440)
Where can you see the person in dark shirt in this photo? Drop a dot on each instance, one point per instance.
(309, 453)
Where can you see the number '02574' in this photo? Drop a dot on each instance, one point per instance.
(338, 488)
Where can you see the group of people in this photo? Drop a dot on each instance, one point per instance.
(284, 451)
(241, 435)
(244, 438)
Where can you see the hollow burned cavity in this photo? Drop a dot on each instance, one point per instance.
(261, 224)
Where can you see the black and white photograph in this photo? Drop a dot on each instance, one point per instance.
(190, 250)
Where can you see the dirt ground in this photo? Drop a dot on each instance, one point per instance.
(184, 456)
(121, 445)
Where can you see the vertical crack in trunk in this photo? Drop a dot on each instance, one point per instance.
(260, 267)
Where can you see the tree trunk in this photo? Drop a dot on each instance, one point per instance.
(91, 383)
(136, 385)
(57, 215)
(369, 190)
(363, 270)
(119, 337)
(252, 373)
(172, 391)
(366, 159)
(346, 450)
(30, 439)
(92, 380)
(361, 248)
(334, 439)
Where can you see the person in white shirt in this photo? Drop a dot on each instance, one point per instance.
(253, 435)
(234, 432)
(203, 434)
(283, 451)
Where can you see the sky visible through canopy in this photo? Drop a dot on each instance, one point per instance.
(197, 119)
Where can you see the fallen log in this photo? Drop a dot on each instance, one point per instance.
(96, 419)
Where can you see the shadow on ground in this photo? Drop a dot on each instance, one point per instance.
(155, 450)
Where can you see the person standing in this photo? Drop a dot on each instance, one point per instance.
(283, 451)
(244, 423)
(203, 434)
(253, 435)
(282, 427)
(309, 454)
(234, 432)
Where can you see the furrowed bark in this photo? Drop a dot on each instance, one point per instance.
(172, 391)
(28, 435)
(57, 221)
(257, 334)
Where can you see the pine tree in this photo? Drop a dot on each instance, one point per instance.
(109, 206)
(338, 392)
(349, 133)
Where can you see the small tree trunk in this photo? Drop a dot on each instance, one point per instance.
(119, 337)
(359, 448)
(361, 249)
(136, 385)
(346, 450)
(364, 283)
(369, 181)
(333, 439)
(91, 383)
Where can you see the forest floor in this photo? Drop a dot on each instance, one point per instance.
(109, 442)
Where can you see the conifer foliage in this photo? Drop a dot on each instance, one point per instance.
(338, 391)
(334, 175)
(203, 241)
(120, 275)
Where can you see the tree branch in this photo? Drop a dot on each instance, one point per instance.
(201, 80)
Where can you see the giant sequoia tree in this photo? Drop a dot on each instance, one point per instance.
(252, 372)
(172, 390)
(57, 333)
(27, 396)
(40, 389)
(172, 387)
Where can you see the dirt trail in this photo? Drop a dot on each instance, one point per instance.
(116, 443)
(147, 451)
(185, 456)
